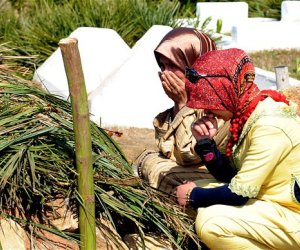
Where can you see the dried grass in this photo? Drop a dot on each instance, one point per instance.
(269, 59)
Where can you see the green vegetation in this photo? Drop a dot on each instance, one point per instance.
(35, 27)
(265, 8)
(268, 59)
(37, 139)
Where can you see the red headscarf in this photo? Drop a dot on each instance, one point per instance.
(223, 80)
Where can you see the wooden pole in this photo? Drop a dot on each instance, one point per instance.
(83, 144)
(282, 77)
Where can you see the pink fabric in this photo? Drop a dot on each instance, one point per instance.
(209, 156)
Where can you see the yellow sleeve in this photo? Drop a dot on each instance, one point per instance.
(266, 146)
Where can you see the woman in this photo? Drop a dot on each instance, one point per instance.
(176, 160)
(259, 208)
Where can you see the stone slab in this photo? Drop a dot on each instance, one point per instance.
(230, 13)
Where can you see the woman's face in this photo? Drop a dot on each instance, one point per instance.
(220, 114)
(166, 65)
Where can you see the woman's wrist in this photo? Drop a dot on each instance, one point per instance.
(206, 143)
(188, 196)
(206, 148)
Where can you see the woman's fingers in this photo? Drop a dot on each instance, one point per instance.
(204, 127)
(174, 87)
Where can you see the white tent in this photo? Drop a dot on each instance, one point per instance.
(133, 95)
(122, 83)
(102, 51)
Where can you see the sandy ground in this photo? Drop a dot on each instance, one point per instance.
(133, 141)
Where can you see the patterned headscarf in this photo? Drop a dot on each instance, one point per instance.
(224, 80)
(182, 46)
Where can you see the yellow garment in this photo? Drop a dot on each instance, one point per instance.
(267, 157)
(257, 225)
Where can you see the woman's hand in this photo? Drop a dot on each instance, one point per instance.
(174, 88)
(206, 127)
(182, 192)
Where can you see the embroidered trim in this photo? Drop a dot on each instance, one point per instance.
(285, 111)
(243, 190)
(238, 69)
(252, 120)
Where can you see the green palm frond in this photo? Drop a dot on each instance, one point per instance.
(37, 165)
